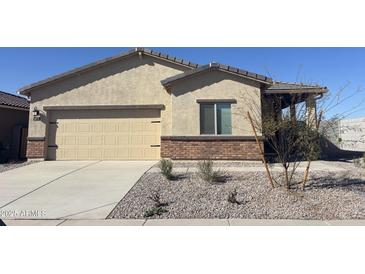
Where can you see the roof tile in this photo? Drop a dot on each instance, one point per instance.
(11, 100)
(217, 66)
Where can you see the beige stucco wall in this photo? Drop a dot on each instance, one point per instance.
(135, 80)
(214, 85)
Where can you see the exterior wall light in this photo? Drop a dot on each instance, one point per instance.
(36, 114)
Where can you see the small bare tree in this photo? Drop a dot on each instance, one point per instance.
(293, 133)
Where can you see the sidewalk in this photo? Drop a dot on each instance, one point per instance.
(184, 222)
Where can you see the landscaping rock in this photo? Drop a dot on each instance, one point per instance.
(328, 196)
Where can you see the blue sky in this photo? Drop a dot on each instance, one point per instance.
(331, 67)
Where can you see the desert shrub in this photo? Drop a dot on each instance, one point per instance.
(159, 206)
(156, 198)
(232, 197)
(207, 173)
(154, 211)
(166, 166)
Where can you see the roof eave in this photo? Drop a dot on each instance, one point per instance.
(235, 71)
(14, 107)
(298, 91)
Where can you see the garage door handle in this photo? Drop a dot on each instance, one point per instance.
(155, 122)
(155, 145)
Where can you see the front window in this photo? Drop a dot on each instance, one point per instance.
(215, 118)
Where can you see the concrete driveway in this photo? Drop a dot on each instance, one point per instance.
(67, 189)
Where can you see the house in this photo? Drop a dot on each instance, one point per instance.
(14, 115)
(144, 104)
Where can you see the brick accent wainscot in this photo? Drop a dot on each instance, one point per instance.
(35, 147)
(210, 147)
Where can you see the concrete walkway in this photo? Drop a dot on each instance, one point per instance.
(184, 222)
(67, 189)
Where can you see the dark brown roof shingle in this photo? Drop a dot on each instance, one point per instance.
(218, 66)
(287, 87)
(11, 100)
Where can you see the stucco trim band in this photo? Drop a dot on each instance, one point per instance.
(36, 138)
(104, 107)
(210, 138)
(232, 101)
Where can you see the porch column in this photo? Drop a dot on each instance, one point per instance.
(277, 110)
(311, 111)
(293, 115)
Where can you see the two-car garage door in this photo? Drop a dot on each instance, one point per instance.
(104, 135)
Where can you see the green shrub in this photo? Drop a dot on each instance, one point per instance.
(159, 206)
(154, 211)
(166, 166)
(207, 173)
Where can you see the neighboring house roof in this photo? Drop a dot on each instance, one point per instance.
(216, 66)
(285, 87)
(13, 101)
(25, 90)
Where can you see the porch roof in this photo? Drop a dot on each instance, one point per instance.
(279, 87)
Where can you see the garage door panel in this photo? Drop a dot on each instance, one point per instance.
(122, 153)
(136, 126)
(151, 140)
(70, 140)
(151, 153)
(96, 140)
(124, 126)
(105, 138)
(109, 154)
(83, 127)
(97, 127)
(69, 128)
(83, 140)
(96, 153)
(83, 154)
(110, 140)
(151, 127)
(70, 153)
(123, 140)
(136, 140)
(136, 153)
(110, 127)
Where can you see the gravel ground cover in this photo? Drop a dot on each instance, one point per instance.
(328, 196)
(9, 166)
